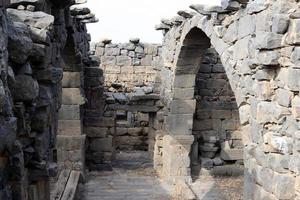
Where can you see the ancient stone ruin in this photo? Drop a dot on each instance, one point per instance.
(221, 92)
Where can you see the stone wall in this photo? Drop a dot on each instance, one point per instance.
(33, 38)
(129, 76)
(216, 121)
(257, 42)
(128, 65)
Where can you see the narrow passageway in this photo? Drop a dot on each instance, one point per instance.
(133, 178)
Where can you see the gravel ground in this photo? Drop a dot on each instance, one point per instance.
(231, 187)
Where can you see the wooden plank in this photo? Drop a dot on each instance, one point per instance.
(60, 185)
(70, 191)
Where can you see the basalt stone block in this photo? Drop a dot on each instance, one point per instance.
(112, 51)
(267, 40)
(71, 80)
(69, 127)
(129, 46)
(246, 26)
(25, 89)
(296, 107)
(42, 145)
(51, 75)
(92, 82)
(123, 61)
(267, 58)
(74, 10)
(69, 112)
(40, 36)
(183, 106)
(25, 69)
(232, 154)
(20, 43)
(102, 144)
(7, 137)
(71, 142)
(284, 97)
(292, 80)
(45, 97)
(147, 60)
(280, 23)
(185, 81)
(108, 60)
(40, 55)
(181, 124)
(49, 170)
(38, 19)
(280, 183)
(293, 32)
(93, 72)
(184, 93)
(135, 131)
(40, 121)
(97, 132)
(72, 96)
(99, 122)
(130, 140)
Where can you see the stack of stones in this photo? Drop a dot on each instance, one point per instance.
(216, 122)
(32, 45)
(98, 128)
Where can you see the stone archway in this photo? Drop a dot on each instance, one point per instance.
(256, 43)
(182, 104)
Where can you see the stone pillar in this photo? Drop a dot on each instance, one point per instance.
(179, 124)
(176, 160)
(70, 138)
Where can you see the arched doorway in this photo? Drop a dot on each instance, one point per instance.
(202, 124)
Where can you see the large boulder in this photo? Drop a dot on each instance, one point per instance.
(25, 88)
(19, 43)
(39, 19)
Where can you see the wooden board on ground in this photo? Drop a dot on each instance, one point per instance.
(60, 185)
(71, 186)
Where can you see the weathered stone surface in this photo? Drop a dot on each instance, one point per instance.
(280, 183)
(71, 79)
(293, 32)
(284, 97)
(38, 19)
(101, 144)
(267, 40)
(123, 61)
(25, 88)
(50, 75)
(20, 43)
(280, 23)
(72, 96)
